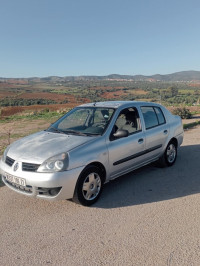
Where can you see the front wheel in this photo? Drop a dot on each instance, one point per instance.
(89, 186)
(169, 156)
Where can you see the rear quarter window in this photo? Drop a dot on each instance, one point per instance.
(159, 113)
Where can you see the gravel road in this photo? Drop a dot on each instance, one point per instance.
(148, 217)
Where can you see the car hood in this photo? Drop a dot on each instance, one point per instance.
(40, 146)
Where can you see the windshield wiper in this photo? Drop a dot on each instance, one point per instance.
(75, 132)
(56, 130)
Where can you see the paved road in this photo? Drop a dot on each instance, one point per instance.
(148, 217)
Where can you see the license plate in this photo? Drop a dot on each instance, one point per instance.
(16, 180)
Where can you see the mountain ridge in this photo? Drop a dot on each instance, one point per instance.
(183, 76)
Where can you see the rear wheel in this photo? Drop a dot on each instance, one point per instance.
(89, 186)
(169, 156)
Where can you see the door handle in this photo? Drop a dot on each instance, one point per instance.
(165, 131)
(140, 141)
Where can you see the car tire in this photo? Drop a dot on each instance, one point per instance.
(89, 186)
(169, 156)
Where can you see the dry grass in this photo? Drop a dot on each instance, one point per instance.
(11, 131)
(12, 110)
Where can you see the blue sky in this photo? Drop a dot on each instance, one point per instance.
(98, 37)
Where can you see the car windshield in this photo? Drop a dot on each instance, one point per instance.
(84, 121)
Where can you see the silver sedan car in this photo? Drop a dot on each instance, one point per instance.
(88, 146)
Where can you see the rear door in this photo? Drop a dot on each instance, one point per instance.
(156, 131)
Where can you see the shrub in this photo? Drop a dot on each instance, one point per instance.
(184, 113)
(191, 125)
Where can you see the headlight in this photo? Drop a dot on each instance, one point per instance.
(5, 154)
(54, 164)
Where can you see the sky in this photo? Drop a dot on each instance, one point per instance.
(40, 38)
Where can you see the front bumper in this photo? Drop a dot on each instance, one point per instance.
(40, 185)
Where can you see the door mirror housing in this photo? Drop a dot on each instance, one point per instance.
(121, 133)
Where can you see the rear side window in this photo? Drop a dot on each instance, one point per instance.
(153, 116)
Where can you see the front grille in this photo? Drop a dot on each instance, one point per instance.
(9, 161)
(30, 167)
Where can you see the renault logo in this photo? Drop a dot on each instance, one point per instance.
(16, 166)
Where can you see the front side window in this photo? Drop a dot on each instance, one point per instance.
(84, 120)
(153, 116)
(129, 120)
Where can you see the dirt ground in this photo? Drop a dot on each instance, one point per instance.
(147, 217)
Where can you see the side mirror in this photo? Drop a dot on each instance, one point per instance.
(121, 133)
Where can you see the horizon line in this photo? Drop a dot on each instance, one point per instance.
(49, 76)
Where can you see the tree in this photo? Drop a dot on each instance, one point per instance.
(173, 91)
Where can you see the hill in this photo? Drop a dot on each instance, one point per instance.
(178, 76)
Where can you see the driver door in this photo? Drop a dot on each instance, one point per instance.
(128, 152)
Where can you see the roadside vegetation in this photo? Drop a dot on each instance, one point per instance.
(191, 125)
(183, 112)
(34, 115)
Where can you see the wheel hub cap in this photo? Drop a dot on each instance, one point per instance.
(91, 186)
(171, 153)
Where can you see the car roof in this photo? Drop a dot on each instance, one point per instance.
(117, 104)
